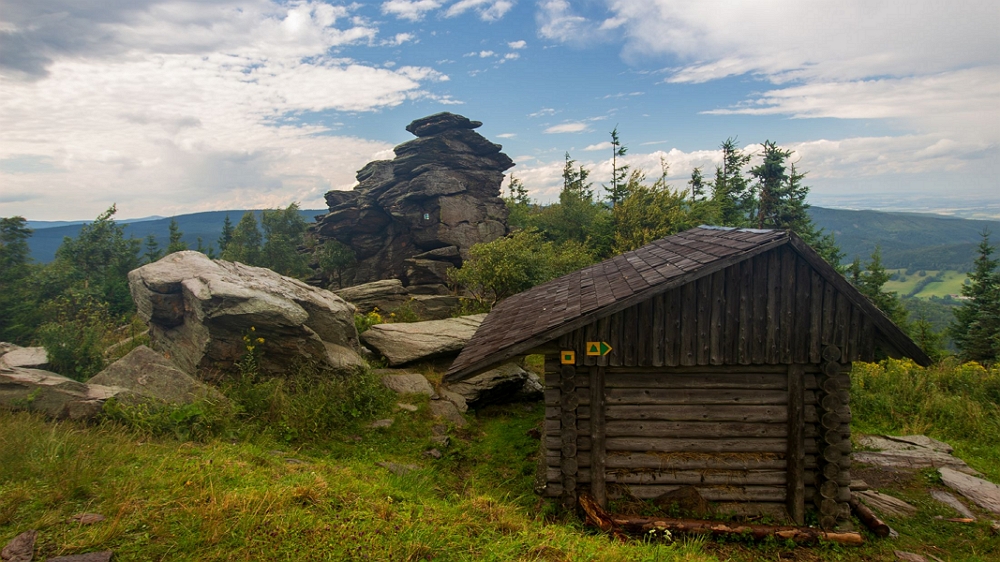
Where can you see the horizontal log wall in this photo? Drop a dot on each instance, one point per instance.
(768, 310)
(721, 429)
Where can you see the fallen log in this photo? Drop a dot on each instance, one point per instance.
(868, 517)
(641, 525)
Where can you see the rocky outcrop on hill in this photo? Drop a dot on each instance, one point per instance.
(147, 374)
(413, 217)
(389, 296)
(200, 310)
(418, 341)
(53, 395)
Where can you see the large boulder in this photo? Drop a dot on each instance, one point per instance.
(415, 216)
(53, 395)
(205, 315)
(506, 383)
(385, 295)
(415, 341)
(148, 374)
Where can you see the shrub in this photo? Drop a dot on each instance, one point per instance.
(81, 330)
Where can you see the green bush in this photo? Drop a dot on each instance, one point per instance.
(198, 421)
(76, 338)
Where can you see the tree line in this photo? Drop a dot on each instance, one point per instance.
(84, 291)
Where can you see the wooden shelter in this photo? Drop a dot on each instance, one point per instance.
(717, 358)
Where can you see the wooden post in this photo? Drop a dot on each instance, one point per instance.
(597, 433)
(568, 464)
(796, 444)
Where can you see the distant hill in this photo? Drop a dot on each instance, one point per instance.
(208, 226)
(907, 240)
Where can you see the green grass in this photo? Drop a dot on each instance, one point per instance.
(252, 494)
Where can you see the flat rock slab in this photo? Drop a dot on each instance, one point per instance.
(904, 443)
(506, 383)
(21, 548)
(377, 424)
(407, 383)
(887, 505)
(912, 459)
(952, 502)
(26, 357)
(981, 492)
(415, 341)
(54, 395)
(86, 518)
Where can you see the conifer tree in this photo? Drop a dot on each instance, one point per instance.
(871, 281)
(245, 243)
(731, 190)
(976, 329)
(697, 185)
(227, 234)
(619, 173)
(176, 244)
(153, 251)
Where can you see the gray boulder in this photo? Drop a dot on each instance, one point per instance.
(25, 357)
(406, 383)
(386, 295)
(148, 374)
(415, 341)
(199, 311)
(53, 395)
(506, 383)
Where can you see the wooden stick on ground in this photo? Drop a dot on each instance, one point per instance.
(868, 517)
(640, 525)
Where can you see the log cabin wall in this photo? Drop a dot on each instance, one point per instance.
(734, 383)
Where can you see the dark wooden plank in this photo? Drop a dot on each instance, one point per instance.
(800, 327)
(693, 445)
(760, 381)
(689, 324)
(745, 335)
(716, 355)
(713, 412)
(867, 348)
(796, 444)
(630, 335)
(696, 429)
(730, 317)
(815, 316)
(685, 396)
(603, 334)
(759, 319)
(658, 331)
(589, 334)
(787, 337)
(829, 318)
(597, 436)
(681, 461)
(771, 354)
(644, 333)
(615, 339)
(854, 336)
(704, 306)
(699, 477)
(672, 328)
(842, 317)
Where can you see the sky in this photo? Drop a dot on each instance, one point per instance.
(167, 107)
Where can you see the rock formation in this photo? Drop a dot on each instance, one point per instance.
(413, 217)
(199, 311)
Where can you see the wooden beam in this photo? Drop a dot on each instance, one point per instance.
(597, 429)
(796, 444)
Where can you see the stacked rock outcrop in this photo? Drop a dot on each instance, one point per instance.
(413, 217)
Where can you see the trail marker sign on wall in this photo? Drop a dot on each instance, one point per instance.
(598, 348)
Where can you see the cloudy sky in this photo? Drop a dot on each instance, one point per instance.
(169, 107)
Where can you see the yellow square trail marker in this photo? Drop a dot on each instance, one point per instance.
(598, 348)
(567, 357)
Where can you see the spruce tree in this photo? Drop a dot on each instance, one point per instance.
(731, 190)
(697, 185)
(619, 173)
(976, 328)
(153, 251)
(245, 244)
(176, 244)
(227, 234)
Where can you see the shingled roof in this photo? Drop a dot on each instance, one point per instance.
(541, 314)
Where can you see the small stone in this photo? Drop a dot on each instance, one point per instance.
(21, 548)
(995, 527)
(103, 556)
(87, 518)
(407, 407)
(381, 423)
(398, 469)
(441, 440)
(291, 460)
(908, 556)
(433, 453)
(448, 411)
(439, 429)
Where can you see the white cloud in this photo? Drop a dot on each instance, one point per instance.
(599, 146)
(542, 112)
(399, 39)
(511, 56)
(412, 10)
(182, 123)
(488, 10)
(576, 127)
(506, 135)
(516, 45)
(486, 54)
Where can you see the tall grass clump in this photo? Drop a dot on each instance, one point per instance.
(958, 403)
